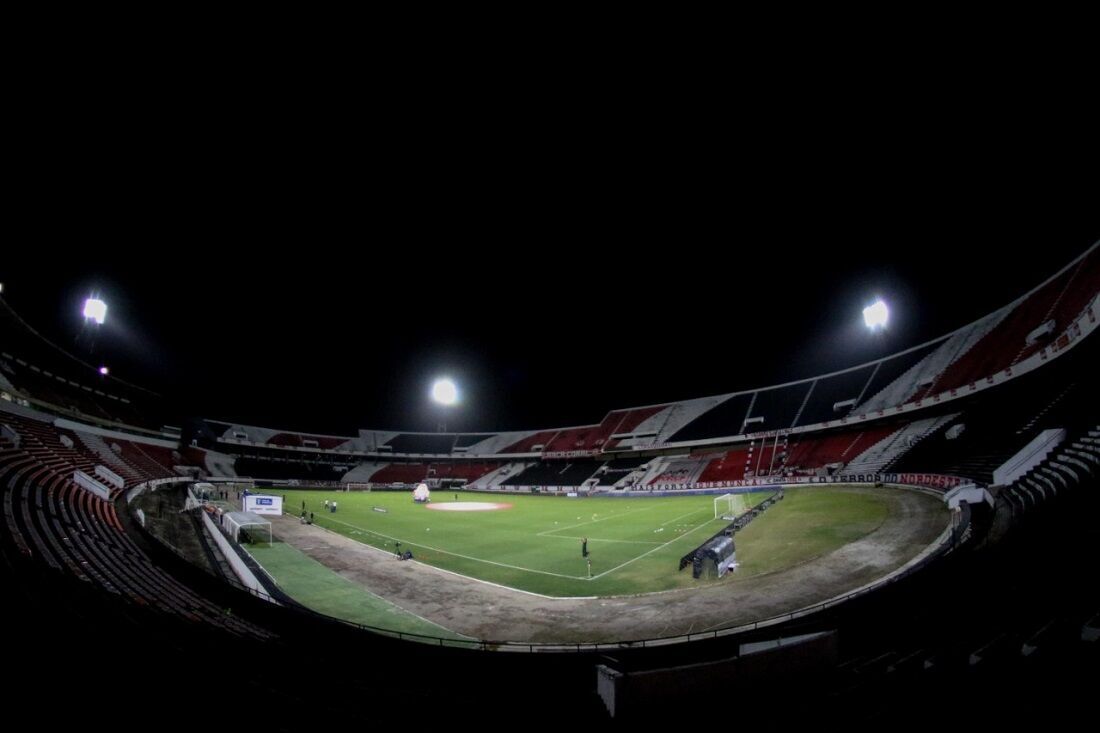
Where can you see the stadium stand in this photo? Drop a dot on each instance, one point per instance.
(619, 469)
(401, 473)
(299, 440)
(574, 439)
(531, 442)
(834, 396)
(813, 452)
(1005, 345)
(881, 454)
(414, 443)
(82, 564)
(727, 418)
(554, 473)
(728, 466)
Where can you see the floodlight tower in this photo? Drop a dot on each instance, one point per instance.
(95, 315)
(876, 315)
(444, 394)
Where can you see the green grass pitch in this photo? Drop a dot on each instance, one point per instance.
(634, 544)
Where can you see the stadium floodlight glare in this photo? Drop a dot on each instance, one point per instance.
(875, 315)
(445, 392)
(104, 371)
(95, 309)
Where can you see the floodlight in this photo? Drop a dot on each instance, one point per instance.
(104, 371)
(445, 392)
(875, 315)
(95, 309)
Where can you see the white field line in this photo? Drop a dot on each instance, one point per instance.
(650, 552)
(550, 532)
(597, 539)
(683, 515)
(455, 554)
(505, 587)
(390, 553)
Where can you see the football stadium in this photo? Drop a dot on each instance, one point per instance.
(912, 530)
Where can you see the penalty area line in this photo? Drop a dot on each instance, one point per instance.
(682, 516)
(455, 554)
(650, 552)
(550, 532)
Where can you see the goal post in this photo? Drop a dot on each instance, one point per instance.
(352, 486)
(730, 506)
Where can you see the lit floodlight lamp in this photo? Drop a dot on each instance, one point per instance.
(96, 310)
(876, 315)
(445, 392)
(104, 371)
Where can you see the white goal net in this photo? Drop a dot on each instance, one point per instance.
(731, 506)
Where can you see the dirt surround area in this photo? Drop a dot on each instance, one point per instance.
(490, 612)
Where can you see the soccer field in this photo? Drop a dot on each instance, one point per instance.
(534, 543)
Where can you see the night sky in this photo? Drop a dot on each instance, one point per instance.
(316, 285)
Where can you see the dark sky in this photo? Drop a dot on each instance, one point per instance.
(315, 270)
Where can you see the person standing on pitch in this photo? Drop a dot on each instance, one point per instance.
(589, 561)
(584, 548)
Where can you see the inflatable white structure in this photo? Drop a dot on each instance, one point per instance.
(421, 493)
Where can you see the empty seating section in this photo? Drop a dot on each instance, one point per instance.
(778, 407)
(464, 441)
(888, 382)
(467, 471)
(953, 349)
(528, 444)
(618, 469)
(266, 467)
(53, 389)
(49, 518)
(573, 439)
(300, 440)
(829, 391)
(42, 441)
(765, 458)
(882, 454)
(156, 461)
(1007, 343)
(806, 454)
(680, 471)
(554, 473)
(727, 466)
(726, 418)
(1082, 287)
(94, 443)
(993, 430)
(628, 420)
(401, 473)
(1069, 465)
(598, 437)
(421, 443)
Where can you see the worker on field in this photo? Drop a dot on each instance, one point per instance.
(584, 547)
